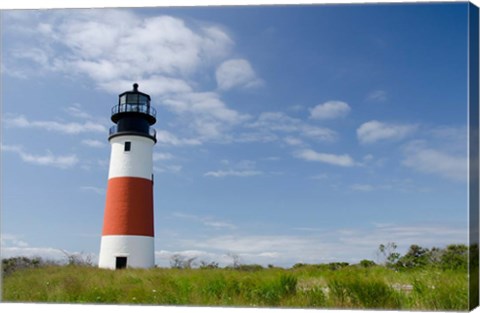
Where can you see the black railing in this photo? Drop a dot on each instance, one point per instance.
(140, 108)
(151, 131)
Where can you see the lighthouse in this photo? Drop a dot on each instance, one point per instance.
(128, 234)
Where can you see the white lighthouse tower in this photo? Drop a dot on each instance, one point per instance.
(128, 235)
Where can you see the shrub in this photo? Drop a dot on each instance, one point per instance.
(362, 292)
(249, 267)
(288, 284)
(11, 265)
(455, 257)
(366, 263)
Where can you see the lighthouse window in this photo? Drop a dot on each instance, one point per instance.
(128, 145)
(142, 99)
(132, 98)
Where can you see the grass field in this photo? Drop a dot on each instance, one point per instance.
(305, 286)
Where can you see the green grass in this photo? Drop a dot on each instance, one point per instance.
(308, 286)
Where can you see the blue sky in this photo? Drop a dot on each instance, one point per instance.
(285, 133)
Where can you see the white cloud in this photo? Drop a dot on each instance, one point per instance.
(75, 110)
(208, 221)
(113, 46)
(270, 123)
(206, 113)
(167, 138)
(93, 143)
(373, 131)
(362, 187)
(329, 110)
(162, 156)
(237, 173)
(236, 73)
(377, 96)
(427, 160)
(322, 245)
(293, 141)
(13, 246)
(66, 128)
(12, 240)
(243, 168)
(97, 190)
(343, 160)
(47, 159)
(168, 168)
(154, 85)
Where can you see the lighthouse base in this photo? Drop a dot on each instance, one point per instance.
(117, 251)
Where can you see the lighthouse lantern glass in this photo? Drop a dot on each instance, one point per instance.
(132, 98)
(143, 100)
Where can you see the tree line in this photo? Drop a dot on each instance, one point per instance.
(452, 257)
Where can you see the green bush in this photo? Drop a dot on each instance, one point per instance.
(363, 293)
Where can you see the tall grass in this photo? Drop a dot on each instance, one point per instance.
(347, 287)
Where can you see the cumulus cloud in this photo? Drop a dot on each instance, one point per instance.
(373, 131)
(334, 159)
(209, 117)
(236, 73)
(329, 110)
(111, 46)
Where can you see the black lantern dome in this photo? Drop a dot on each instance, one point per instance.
(133, 115)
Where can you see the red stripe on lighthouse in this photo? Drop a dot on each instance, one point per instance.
(129, 207)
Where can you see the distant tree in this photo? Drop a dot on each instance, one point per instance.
(249, 267)
(176, 261)
(235, 259)
(205, 264)
(181, 262)
(388, 254)
(11, 265)
(416, 256)
(299, 265)
(367, 263)
(78, 259)
(435, 256)
(454, 257)
(337, 265)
